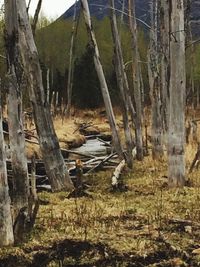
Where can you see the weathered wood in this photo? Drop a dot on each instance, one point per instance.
(20, 187)
(119, 68)
(6, 228)
(102, 80)
(165, 62)
(196, 159)
(119, 169)
(154, 77)
(176, 135)
(106, 159)
(117, 173)
(53, 160)
(36, 16)
(136, 78)
(67, 110)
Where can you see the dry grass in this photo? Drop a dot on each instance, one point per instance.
(130, 223)
(137, 224)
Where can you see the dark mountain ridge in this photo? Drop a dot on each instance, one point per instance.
(100, 9)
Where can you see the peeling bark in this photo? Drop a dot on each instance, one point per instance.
(20, 191)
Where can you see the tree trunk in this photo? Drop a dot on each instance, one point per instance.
(119, 67)
(154, 76)
(53, 160)
(36, 15)
(16, 132)
(101, 76)
(176, 138)
(136, 79)
(71, 63)
(165, 57)
(6, 228)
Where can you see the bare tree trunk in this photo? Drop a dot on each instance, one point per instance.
(15, 121)
(136, 79)
(119, 67)
(100, 73)
(53, 160)
(36, 15)
(71, 63)
(165, 57)
(198, 97)
(48, 87)
(176, 139)
(6, 228)
(154, 76)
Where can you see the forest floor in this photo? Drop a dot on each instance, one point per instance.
(147, 225)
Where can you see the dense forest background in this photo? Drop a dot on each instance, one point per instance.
(53, 43)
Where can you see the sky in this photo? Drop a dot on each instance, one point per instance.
(50, 8)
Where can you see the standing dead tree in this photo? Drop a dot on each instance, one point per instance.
(102, 80)
(20, 192)
(71, 63)
(136, 79)
(195, 162)
(176, 135)
(165, 57)
(121, 76)
(6, 228)
(53, 160)
(36, 15)
(154, 81)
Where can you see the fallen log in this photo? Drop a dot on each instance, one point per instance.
(183, 222)
(117, 173)
(102, 162)
(104, 142)
(116, 183)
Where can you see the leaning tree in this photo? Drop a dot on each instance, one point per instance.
(51, 153)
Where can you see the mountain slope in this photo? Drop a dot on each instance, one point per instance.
(100, 9)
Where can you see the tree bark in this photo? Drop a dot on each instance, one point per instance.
(53, 160)
(71, 63)
(16, 132)
(154, 76)
(102, 80)
(120, 73)
(165, 58)
(6, 228)
(176, 138)
(36, 15)
(136, 79)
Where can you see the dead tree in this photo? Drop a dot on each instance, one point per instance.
(154, 81)
(53, 160)
(20, 190)
(102, 80)
(136, 79)
(71, 63)
(165, 57)
(36, 15)
(176, 137)
(6, 228)
(195, 162)
(120, 73)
